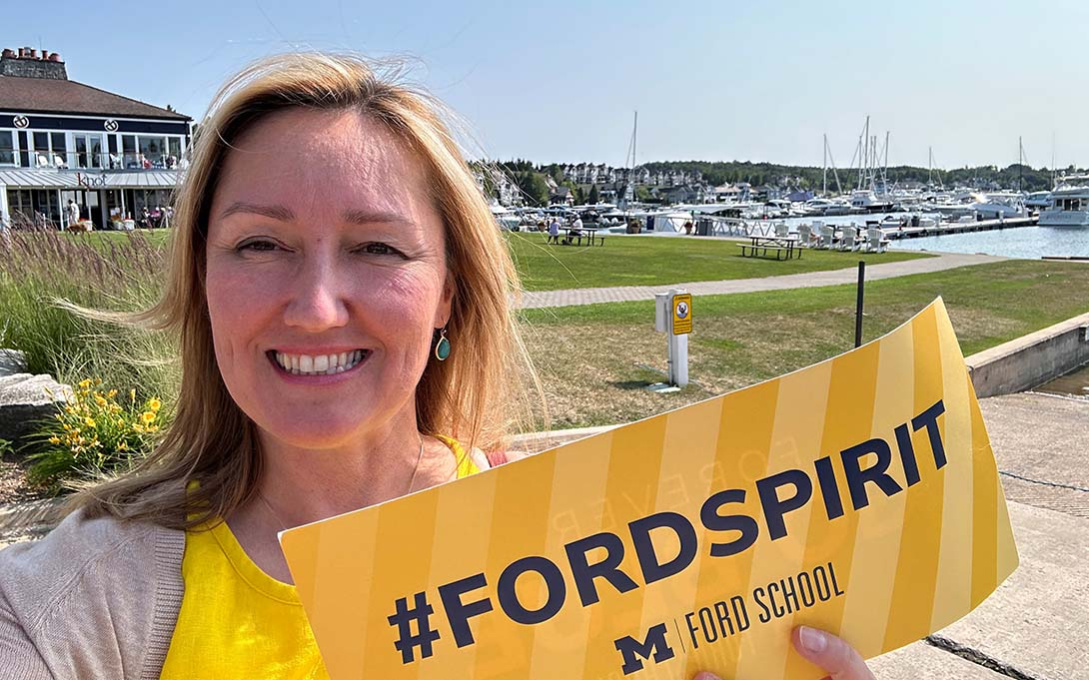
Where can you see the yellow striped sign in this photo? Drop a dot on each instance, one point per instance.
(859, 495)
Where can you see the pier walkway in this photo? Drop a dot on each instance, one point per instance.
(958, 227)
(874, 272)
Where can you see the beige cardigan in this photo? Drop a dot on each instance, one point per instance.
(93, 599)
(98, 598)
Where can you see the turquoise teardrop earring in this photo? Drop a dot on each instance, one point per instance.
(442, 347)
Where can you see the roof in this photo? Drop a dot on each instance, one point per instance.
(44, 95)
(57, 179)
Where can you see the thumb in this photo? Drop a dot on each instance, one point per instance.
(706, 676)
(836, 657)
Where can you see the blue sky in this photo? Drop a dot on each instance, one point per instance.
(718, 80)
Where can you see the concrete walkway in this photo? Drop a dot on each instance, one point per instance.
(593, 296)
(1034, 626)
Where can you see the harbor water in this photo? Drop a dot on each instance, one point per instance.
(1020, 242)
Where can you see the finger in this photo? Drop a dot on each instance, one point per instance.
(706, 676)
(836, 657)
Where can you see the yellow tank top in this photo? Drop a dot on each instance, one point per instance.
(236, 621)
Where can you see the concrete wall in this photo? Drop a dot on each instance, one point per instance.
(1031, 360)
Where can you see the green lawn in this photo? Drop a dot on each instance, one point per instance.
(654, 260)
(157, 237)
(595, 360)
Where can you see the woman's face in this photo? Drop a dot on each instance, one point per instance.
(326, 276)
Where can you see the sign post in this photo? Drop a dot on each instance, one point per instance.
(673, 316)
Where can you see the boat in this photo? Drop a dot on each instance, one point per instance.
(1069, 203)
(1038, 201)
(816, 207)
(999, 205)
(866, 201)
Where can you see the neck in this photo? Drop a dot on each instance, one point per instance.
(305, 485)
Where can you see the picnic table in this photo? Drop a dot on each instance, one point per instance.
(575, 236)
(760, 246)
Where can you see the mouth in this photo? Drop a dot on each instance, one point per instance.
(318, 364)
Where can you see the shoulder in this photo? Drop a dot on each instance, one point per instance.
(88, 577)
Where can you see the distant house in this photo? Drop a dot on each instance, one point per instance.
(562, 196)
(685, 194)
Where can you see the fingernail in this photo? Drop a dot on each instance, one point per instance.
(812, 639)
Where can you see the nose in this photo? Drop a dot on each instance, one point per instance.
(317, 298)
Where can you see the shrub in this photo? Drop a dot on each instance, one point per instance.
(92, 434)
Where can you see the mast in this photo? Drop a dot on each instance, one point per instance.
(885, 170)
(1020, 163)
(824, 190)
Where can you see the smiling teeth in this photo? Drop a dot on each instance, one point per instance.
(321, 364)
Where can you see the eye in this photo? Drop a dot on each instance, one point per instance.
(257, 246)
(376, 248)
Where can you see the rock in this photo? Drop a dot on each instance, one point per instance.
(24, 400)
(12, 361)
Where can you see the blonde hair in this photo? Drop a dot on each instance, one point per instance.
(478, 396)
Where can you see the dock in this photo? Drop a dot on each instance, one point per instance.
(958, 227)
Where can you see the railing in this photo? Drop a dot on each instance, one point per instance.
(77, 160)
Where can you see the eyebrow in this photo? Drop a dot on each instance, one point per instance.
(283, 214)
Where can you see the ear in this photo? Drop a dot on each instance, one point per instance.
(442, 312)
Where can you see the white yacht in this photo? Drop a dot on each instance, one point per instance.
(1069, 203)
(996, 204)
(869, 202)
(1038, 201)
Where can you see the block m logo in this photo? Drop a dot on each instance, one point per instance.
(633, 651)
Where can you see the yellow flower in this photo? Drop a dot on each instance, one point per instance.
(122, 447)
(89, 422)
(84, 384)
(132, 394)
(54, 440)
(147, 416)
(111, 394)
(100, 400)
(69, 410)
(154, 404)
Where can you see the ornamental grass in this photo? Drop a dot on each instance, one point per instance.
(47, 276)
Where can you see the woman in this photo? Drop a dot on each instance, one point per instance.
(341, 295)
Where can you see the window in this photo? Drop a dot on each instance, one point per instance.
(7, 147)
(175, 147)
(152, 149)
(41, 149)
(60, 149)
(128, 150)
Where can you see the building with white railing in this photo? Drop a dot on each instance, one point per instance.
(62, 141)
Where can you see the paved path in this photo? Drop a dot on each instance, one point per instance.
(593, 296)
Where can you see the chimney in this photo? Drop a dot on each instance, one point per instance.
(26, 64)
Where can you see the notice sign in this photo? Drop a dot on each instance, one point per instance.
(682, 314)
(859, 495)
